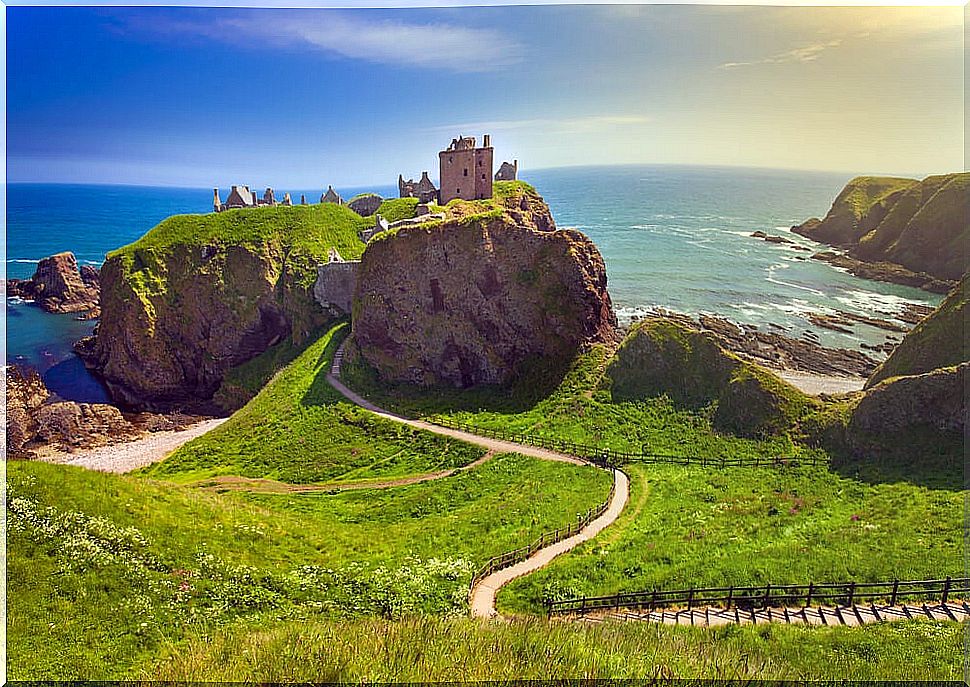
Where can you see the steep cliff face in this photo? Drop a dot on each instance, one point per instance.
(201, 294)
(923, 226)
(940, 340)
(662, 356)
(470, 299)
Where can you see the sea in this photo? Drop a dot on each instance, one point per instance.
(672, 237)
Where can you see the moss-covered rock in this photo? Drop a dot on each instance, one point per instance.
(912, 416)
(469, 299)
(201, 294)
(940, 340)
(665, 357)
(924, 226)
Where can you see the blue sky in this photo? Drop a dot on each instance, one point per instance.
(303, 98)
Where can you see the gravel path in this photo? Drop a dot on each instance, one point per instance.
(135, 454)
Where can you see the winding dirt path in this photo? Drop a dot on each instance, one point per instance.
(496, 445)
(482, 600)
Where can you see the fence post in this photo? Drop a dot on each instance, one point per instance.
(730, 599)
(764, 601)
(653, 600)
(946, 589)
(892, 602)
(851, 593)
(808, 597)
(690, 598)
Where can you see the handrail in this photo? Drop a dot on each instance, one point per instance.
(847, 593)
(510, 558)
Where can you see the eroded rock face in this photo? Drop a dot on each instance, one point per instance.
(33, 420)
(468, 302)
(175, 321)
(915, 413)
(58, 285)
(25, 393)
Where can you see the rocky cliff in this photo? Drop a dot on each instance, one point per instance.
(59, 286)
(923, 226)
(917, 415)
(32, 418)
(471, 299)
(200, 294)
(939, 340)
(665, 356)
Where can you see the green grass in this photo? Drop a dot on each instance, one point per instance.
(310, 229)
(243, 382)
(708, 527)
(105, 571)
(298, 429)
(575, 409)
(687, 526)
(422, 650)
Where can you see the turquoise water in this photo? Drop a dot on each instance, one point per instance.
(675, 237)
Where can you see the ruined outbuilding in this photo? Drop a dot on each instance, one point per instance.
(508, 172)
(423, 189)
(331, 196)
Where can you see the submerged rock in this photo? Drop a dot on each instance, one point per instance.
(471, 300)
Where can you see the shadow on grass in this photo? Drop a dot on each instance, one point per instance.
(936, 462)
(537, 379)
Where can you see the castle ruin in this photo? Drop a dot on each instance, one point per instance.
(465, 170)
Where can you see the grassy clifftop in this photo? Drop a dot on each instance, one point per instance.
(665, 357)
(922, 225)
(938, 341)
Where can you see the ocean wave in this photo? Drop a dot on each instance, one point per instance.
(774, 280)
(24, 260)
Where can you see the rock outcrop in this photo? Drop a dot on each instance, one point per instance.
(662, 356)
(59, 286)
(923, 226)
(201, 294)
(472, 299)
(939, 340)
(913, 415)
(33, 420)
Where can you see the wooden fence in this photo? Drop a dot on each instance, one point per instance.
(605, 457)
(780, 595)
(510, 558)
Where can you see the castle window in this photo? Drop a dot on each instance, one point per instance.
(465, 172)
(451, 158)
(483, 177)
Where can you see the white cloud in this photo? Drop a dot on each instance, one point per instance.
(806, 53)
(432, 45)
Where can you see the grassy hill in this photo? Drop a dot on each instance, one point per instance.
(940, 340)
(923, 225)
(105, 571)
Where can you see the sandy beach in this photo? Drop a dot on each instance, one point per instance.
(815, 384)
(132, 455)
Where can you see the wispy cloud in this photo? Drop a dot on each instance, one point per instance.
(359, 36)
(806, 53)
(544, 124)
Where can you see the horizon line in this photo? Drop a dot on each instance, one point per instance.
(912, 175)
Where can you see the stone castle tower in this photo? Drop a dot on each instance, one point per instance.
(466, 171)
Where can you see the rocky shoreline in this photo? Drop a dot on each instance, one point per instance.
(777, 351)
(39, 422)
(884, 271)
